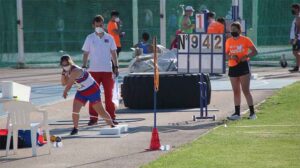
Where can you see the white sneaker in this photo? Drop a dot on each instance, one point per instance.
(234, 117)
(252, 117)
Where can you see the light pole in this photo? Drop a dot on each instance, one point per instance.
(21, 57)
(163, 22)
(135, 28)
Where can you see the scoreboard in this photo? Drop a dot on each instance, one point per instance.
(201, 53)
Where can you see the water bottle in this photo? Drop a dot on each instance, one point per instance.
(162, 148)
(57, 141)
(57, 144)
(165, 147)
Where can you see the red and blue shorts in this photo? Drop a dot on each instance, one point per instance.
(91, 94)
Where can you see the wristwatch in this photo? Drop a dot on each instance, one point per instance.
(116, 66)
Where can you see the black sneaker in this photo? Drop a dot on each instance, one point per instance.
(74, 131)
(92, 122)
(115, 122)
(295, 69)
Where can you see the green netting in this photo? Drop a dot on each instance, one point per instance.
(268, 27)
(273, 19)
(63, 24)
(8, 32)
(51, 26)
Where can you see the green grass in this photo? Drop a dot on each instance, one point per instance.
(271, 141)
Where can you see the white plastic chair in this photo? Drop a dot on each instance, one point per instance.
(19, 119)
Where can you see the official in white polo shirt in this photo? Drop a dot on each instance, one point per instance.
(100, 49)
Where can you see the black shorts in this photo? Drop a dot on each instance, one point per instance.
(240, 69)
(296, 47)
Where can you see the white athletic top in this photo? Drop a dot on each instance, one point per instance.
(99, 52)
(84, 81)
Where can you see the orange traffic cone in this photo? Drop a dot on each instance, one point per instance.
(155, 144)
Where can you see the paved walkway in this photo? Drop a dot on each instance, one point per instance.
(175, 126)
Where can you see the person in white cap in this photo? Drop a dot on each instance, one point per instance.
(185, 24)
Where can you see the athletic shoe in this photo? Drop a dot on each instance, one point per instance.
(115, 122)
(295, 69)
(252, 117)
(92, 122)
(234, 117)
(74, 131)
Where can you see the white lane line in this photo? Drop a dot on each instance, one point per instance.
(255, 126)
(293, 133)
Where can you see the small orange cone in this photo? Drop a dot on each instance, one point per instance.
(155, 144)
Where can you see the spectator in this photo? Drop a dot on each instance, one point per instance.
(87, 90)
(222, 21)
(237, 50)
(214, 27)
(148, 18)
(100, 48)
(113, 29)
(144, 44)
(294, 36)
(172, 22)
(185, 24)
(174, 43)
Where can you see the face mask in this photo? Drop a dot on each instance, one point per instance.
(117, 19)
(293, 12)
(67, 68)
(99, 30)
(234, 34)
